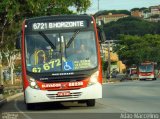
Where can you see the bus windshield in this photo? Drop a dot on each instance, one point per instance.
(146, 68)
(48, 52)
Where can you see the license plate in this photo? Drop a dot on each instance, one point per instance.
(66, 93)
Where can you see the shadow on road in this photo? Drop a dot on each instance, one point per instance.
(50, 106)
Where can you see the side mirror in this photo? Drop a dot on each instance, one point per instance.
(100, 23)
(18, 41)
(101, 35)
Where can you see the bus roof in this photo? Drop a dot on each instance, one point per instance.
(59, 17)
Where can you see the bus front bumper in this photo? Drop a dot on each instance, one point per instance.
(38, 96)
(146, 77)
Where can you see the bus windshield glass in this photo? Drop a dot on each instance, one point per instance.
(146, 68)
(60, 52)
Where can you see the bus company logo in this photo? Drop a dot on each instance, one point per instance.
(63, 85)
(52, 85)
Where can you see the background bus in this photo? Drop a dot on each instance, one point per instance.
(132, 73)
(147, 71)
(60, 60)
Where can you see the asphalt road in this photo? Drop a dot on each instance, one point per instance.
(118, 98)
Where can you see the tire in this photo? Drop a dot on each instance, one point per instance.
(91, 103)
(154, 79)
(24, 99)
(30, 106)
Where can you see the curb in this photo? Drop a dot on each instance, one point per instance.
(10, 98)
(3, 101)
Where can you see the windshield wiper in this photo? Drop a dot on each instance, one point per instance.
(72, 38)
(47, 39)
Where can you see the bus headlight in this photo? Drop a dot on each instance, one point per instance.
(32, 83)
(93, 78)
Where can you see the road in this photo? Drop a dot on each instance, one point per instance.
(121, 97)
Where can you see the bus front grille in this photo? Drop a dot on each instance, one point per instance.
(72, 95)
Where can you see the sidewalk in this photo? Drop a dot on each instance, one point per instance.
(111, 80)
(4, 100)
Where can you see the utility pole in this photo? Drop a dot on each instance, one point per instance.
(1, 73)
(109, 57)
(98, 5)
(109, 61)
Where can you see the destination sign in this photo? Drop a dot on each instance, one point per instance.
(58, 25)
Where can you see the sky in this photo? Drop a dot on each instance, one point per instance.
(120, 4)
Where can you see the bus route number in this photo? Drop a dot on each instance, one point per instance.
(40, 26)
(48, 66)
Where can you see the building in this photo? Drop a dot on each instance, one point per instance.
(137, 13)
(146, 15)
(110, 17)
(153, 15)
(153, 19)
(155, 10)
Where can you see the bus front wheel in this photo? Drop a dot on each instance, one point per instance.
(30, 106)
(91, 103)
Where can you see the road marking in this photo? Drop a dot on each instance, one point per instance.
(25, 115)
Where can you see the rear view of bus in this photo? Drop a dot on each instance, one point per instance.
(61, 60)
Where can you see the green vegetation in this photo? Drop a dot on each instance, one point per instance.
(137, 49)
(130, 26)
(139, 39)
(104, 65)
(141, 9)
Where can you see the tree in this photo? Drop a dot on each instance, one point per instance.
(134, 9)
(8, 11)
(137, 49)
(155, 16)
(130, 26)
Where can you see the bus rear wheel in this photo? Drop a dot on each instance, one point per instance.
(91, 103)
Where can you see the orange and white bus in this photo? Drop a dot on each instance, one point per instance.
(60, 59)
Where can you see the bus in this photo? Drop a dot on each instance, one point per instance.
(53, 67)
(132, 73)
(146, 71)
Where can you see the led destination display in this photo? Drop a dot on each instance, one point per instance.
(58, 25)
